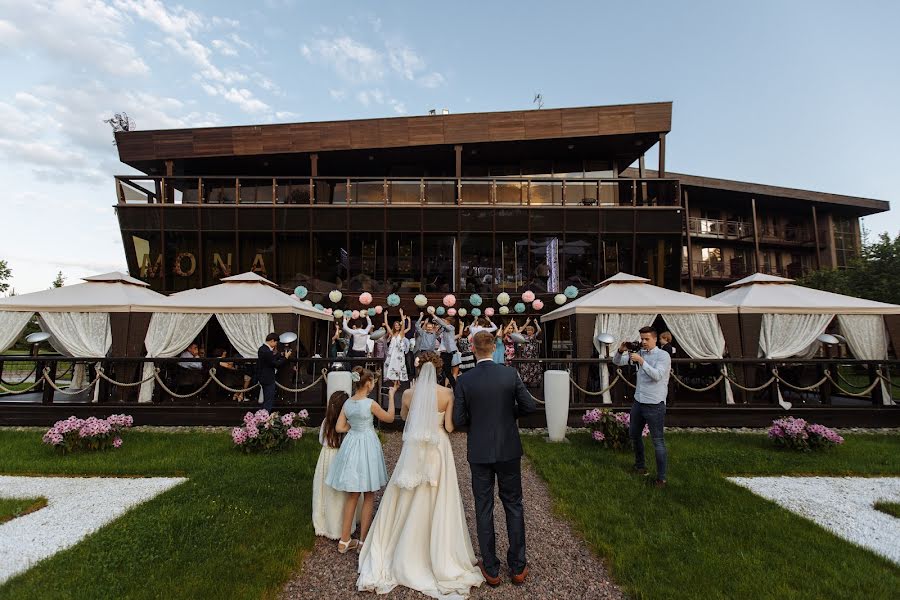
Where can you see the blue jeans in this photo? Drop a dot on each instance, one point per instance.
(654, 416)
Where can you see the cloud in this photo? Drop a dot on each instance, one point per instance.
(224, 48)
(337, 94)
(177, 21)
(432, 80)
(242, 97)
(10, 35)
(286, 114)
(350, 59)
(405, 61)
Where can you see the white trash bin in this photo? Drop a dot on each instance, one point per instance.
(338, 381)
(556, 398)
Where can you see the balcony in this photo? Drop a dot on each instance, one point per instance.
(786, 235)
(309, 191)
(721, 229)
(735, 270)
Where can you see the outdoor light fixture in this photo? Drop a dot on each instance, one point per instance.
(605, 338)
(827, 338)
(35, 340)
(288, 337)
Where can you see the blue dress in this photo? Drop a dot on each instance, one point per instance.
(499, 351)
(359, 464)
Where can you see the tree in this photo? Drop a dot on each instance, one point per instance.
(5, 274)
(59, 281)
(120, 122)
(873, 275)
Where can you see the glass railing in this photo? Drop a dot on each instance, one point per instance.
(506, 191)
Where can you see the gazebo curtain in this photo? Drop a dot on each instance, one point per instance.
(621, 327)
(246, 331)
(790, 335)
(78, 334)
(701, 337)
(167, 336)
(868, 340)
(11, 326)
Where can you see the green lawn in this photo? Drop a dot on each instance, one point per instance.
(10, 508)
(236, 529)
(704, 537)
(891, 508)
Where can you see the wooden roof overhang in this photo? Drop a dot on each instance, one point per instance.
(621, 132)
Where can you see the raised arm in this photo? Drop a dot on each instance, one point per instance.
(369, 324)
(337, 332)
(492, 328)
(537, 328)
(419, 322)
(347, 327)
(444, 324)
(386, 416)
(407, 325)
(386, 326)
(664, 364)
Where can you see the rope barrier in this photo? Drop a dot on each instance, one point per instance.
(163, 385)
(64, 390)
(799, 388)
(122, 384)
(601, 392)
(6, 390)
(24, 379)
(751, 389)
(861, 394)
(718, 380)
(212, 374)
(323, 376)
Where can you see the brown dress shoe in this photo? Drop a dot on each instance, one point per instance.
(491, 580)
(659, 483)
(520, 578)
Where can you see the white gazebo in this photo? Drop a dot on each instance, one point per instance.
(624, 303)
(244, 305)
(792, 317)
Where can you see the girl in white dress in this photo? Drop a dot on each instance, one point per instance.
(327, 502)
(398, 346)
(420, 538)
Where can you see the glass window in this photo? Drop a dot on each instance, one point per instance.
(845, 242)
(144, 256)
(366, 261)
(182, 261)
(512, 262)
(220, 257)
(439, 252)
(658, 261)
(293, 260)
(257, 254)
(404, 262)
(330, 260)
(543, 266)
(579, 257)
(615, 255)
(476, 263)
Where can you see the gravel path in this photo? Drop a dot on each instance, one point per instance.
(560, 563)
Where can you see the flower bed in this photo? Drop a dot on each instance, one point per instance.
(267, 432)
(797, 434)
(87, 434)
(609, 428)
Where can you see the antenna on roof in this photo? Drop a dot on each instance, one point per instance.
(432, 111)
(538, 100)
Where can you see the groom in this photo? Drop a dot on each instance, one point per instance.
(489, 399)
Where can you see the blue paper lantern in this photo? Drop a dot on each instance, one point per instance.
(319, 306)
(440, 310)
(475, 300)
(571, 292)
(393, 300)
(476, 312)
(301, 292)
(371, 312)
(519, 307)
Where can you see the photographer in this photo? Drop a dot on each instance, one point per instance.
(270, 359)
(653, 369)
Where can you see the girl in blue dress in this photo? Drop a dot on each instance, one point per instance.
(359, 464)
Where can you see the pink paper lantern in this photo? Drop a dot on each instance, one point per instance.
(365, 298)
(537, 305)
(451, 312)
(354, 314)
(379, 310)
(489, 311)
(328, 311)
(449, 300)
(528, 296)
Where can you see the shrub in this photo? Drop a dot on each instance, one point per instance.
(267, 432)
(609, 428)
(87, 434)
(797, 434)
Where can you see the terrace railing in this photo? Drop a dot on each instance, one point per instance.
(402, 191)
(732, 230)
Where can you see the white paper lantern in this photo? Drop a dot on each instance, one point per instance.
(338, 314)
(430, 310)
(503, 299)
(461, 312)
(504, 310)
(560, 299)
(335, 296)
(420, 300)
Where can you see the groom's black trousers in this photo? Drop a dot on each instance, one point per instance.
(509, 478)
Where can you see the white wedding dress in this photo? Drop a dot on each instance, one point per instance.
(419, 538)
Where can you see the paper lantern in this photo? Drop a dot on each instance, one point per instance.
(335, 296)
(560, 299)
(393, 300)
(338, 314)
(475, 300)
(301, 292)
(379, 310)
(420, 300)
(537, 305)
(489, 311)
(519, 307)
(295, 297)
(354, 315)
(430, 310)
(327, 311)
(504, 310)
(502, 298)
(451, 312)
(571, 292)
(476, 312)
(449, 300)
(440, 310)
(461, 312)
(319, 307)
(365, 298)
(528, 296)
(371, 312)
(307, 302)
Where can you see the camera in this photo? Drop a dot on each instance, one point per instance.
(634, 346)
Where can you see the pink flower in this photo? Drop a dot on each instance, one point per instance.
(287, 420)
(117, 443)
(646, 431)
(252, 432)
(295, 433)
(303, 414)
(238, 436)
(598, 436)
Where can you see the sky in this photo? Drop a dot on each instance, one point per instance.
(792, 93)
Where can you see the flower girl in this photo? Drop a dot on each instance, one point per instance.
(359, 465)
(327, 503)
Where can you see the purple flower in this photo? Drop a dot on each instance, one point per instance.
(117, 443)
(598, 436)
(287, 420)
(303, 414)
(252, 432)
(238, 435)
(295, 433)
(591, 416)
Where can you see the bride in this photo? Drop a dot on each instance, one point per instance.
(419, 538)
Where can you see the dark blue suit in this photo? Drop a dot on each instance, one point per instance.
(489, 399)
(268, 363)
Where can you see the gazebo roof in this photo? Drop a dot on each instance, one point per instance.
(109, 293)
(244, 293)
(761, 293)
(624, 293)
